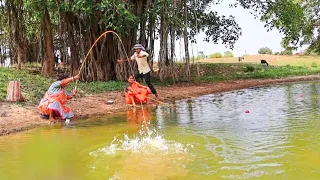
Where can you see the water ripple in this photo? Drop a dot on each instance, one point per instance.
(259, 142)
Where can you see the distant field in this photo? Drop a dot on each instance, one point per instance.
(275, 60)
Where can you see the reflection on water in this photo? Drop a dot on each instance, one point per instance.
(139, 116)
(256, 144)
(210, 137)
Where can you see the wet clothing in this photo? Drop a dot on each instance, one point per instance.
(54, 99)
(138, 92)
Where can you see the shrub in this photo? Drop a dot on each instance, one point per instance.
(215, 55)
(314, 64)
(276, 53)
(200, 55)
(249, 68)
(228, 54)
(265, 50)
(286, 52)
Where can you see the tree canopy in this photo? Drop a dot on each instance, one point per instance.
(298, 20)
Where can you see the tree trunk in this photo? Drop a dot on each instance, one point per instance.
(48, 65)
(141, 13)
(172, 45)
(173, 35)
(74, 51)
(186, 46)
(163, 53)
(15, 14)
(151, 28)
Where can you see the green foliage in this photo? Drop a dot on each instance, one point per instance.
(265, 50)
(314, 64)
(228, 54)
(200, 55)
(111, 13)
(314, 48)
(309, 51)
(32, 86)
(297, 20)
(215, 55)
(249, 68)
(288, 16)
(216, 28)
(276, 53)
(286, 52)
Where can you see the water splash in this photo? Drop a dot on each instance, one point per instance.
(145, 141)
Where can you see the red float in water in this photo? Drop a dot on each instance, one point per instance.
(301, 95)
(247, 111)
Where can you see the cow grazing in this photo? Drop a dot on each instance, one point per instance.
(264, 62)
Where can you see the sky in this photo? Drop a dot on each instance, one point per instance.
(254, 35)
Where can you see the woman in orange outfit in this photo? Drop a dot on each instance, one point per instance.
(52, 104)
(136, 93)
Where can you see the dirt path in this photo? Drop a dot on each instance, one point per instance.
(14, 118)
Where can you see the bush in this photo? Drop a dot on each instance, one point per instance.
(265, 50)
(215, 55)
(249, 68)
(276, 53)
(198, 58)
(286, 52)
(314, 64)
(309, 51)
(200, 55)
(228, 54)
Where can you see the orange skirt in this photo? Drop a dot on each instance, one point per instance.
(56, 104)
(141, 97)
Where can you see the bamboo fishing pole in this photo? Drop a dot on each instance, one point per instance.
(96, 41)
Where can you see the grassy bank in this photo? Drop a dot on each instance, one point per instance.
(224, 71)
(34, 85)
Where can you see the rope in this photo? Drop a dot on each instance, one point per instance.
(126, 55)
(160, 102)
(96, 41)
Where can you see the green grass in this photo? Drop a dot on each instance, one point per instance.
(34, 85)
(252, 71)
(99, 87)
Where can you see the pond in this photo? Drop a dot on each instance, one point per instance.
(257, 133)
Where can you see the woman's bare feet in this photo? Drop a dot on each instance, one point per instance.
(51, 116)
(52, 120)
